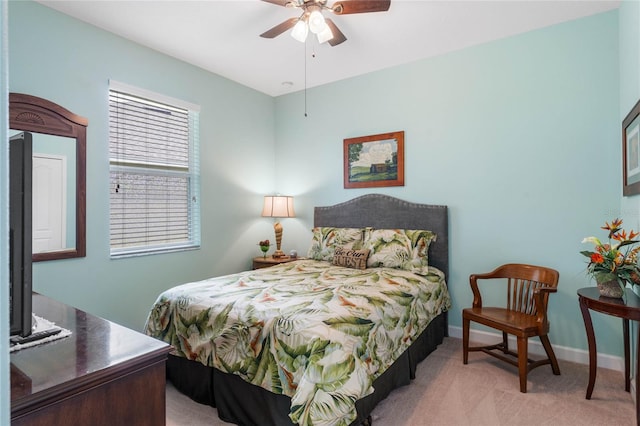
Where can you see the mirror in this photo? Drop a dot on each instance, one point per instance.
(59, 146)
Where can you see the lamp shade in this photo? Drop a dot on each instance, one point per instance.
(300, 31)
(317, 24)
(278, 206)
(325, 35)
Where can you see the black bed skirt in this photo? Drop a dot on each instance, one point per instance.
(245, 404)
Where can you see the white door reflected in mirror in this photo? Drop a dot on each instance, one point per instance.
(49, 203)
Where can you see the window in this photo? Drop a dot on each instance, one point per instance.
(154, 174)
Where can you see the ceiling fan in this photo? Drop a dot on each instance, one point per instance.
(312, 19)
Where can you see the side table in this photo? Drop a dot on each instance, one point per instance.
(627, 309)
(265, 262)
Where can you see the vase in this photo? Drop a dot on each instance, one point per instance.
(610, 285)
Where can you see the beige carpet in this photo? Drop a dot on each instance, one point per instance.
(484, 392)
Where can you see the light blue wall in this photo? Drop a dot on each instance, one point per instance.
(68, 62)
(519, 137)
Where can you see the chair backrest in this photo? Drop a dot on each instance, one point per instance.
(522, 281)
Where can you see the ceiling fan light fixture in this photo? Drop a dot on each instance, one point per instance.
(300, 31)
(313, 20)
(317, 24)
(325, 35)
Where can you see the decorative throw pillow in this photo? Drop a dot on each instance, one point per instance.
(326, 239)
(349, 258)
(406, 249)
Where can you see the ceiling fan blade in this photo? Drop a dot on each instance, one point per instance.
(280, 28)
(346, 7)
(338, 37)
(278, 2)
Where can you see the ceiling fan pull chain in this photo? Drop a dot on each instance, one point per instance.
(305, 79)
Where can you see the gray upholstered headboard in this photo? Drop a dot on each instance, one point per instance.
(383, 211)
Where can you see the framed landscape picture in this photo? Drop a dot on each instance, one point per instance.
(374, 161)
(631, 152)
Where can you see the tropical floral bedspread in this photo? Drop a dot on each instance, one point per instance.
(320, 334)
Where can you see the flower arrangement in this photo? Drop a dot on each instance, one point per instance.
(264, 246)
(614, 260)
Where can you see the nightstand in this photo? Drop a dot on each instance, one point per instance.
(265, 262)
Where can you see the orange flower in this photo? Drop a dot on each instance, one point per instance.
(620, 235)
(597, 258)
(615, 225)
(613, 228)
(619, 259)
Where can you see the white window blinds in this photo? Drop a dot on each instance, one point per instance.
(154, 194)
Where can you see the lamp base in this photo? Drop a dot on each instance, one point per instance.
(278, 254)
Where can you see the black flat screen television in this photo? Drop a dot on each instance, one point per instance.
(20, 201)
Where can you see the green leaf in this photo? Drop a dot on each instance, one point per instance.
(404, 299)
(350, 325)
(627, 242)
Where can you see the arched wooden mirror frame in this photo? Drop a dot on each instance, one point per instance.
(37, 115)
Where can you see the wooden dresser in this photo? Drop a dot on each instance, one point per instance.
(103, 374)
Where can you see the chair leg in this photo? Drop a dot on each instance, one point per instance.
(465, 340)
(505, 342)
(550, 354)
(523, 363)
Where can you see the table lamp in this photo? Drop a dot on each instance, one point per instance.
(278, 206)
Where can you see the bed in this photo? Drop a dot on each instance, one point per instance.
(242, 345)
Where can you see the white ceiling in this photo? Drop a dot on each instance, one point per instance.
(222, 36)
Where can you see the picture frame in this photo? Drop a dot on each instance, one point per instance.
(374, 161)
(631, 152)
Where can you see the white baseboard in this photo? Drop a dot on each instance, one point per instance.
(535, 347)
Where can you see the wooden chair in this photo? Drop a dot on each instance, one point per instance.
(525, 315)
